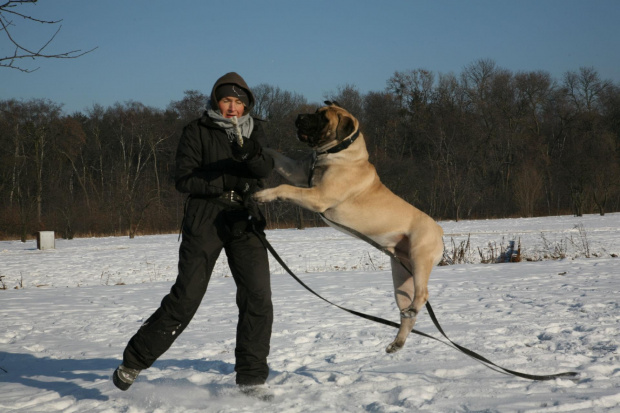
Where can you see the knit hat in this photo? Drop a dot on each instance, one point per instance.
(232, 90)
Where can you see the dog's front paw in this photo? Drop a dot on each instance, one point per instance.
(266, 195)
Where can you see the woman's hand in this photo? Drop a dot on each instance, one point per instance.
(249, 150)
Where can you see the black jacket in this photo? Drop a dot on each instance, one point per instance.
(205, 164)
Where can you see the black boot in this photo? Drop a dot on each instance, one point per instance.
(124, 377)
(258, 391)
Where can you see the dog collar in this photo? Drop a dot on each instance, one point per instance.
(339, 147)
(344, 144)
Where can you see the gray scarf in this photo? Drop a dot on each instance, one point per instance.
(246, 124)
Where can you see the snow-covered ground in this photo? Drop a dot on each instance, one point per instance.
(67, 313)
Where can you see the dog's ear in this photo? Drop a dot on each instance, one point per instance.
(345, 127)
(332, 103)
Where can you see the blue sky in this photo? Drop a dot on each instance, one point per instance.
(150, 51)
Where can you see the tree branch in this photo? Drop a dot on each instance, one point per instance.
(22, 52)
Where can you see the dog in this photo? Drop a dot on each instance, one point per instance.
(339, 182)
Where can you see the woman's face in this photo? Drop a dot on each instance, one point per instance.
(231, 107)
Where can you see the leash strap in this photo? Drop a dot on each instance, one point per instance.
(484, 361)
(379, 320)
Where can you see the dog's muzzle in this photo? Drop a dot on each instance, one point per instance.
(308, 127)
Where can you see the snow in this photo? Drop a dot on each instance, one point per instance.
(63, 329)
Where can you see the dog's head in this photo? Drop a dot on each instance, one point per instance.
(329, 123)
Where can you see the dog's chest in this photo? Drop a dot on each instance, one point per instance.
(324, 162)
(318, 167)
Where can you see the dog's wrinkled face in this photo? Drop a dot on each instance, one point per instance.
(325, 125)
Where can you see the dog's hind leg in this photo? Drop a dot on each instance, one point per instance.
(404, 295)
(411, 289)
(424, 256)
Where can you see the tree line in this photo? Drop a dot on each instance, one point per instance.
(484, 143)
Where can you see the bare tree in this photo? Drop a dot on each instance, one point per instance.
(413, 87)
(534, 90)
(67, 186)
(14, 165)
(193, 104)
(136, 140)
(382, 123)
(479, 144)
(279, 108)
(8, 12)
(585, 88)
(350, 98)
(41, 123)
(528, 188)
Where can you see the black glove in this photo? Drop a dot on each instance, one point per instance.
(249, 150)
(244, 186)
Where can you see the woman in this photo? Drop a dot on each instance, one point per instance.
(219, 163)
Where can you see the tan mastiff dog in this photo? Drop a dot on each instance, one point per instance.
(344, 187)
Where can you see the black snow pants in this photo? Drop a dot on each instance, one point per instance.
(210, 226)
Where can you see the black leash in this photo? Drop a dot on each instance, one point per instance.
(486, 362)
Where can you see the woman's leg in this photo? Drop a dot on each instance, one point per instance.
(249, 264)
